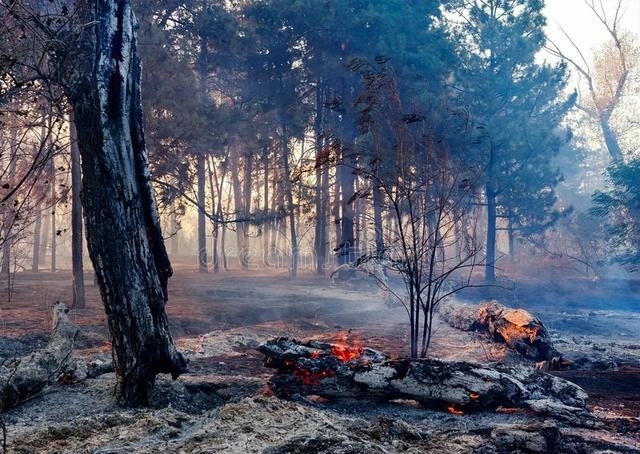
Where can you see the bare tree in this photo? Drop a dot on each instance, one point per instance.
(606, 76)
(427, 194)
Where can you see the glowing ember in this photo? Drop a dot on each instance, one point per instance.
(306, 376)
(474, 396)
(316, 354)
(454, 411)
(312, 378)
(346, 353)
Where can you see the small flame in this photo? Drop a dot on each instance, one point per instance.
(346, 350)
(474, 396)
(454, 411)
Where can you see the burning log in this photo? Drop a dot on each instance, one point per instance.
(519, 329)
(23, 378)
(321, 369)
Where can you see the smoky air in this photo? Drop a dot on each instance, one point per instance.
(324, 226)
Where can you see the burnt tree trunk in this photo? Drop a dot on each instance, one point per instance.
(123, 227)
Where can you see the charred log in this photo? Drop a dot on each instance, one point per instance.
(338, 372)
(23, 378)
(520, 330)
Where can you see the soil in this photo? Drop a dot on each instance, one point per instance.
(223, 404)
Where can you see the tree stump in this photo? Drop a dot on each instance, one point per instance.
(23, 378)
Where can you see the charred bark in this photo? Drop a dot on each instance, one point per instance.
(123, 228)
(23, 378)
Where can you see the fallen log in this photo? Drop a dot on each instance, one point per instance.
(23, 378)
(337, 372)
(520, 330)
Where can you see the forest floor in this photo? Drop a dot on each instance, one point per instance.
(223, 405)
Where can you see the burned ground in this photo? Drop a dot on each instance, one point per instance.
(223, 404)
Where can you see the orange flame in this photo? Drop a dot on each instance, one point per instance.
(474, 396)
(454, 411)
(345, 351)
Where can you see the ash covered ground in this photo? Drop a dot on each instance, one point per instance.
(223, 403)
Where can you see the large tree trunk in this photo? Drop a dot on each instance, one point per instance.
(123, 227)
(76, 218)
(320, 238)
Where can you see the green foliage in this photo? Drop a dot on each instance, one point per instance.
(619, 206)
(517, 105)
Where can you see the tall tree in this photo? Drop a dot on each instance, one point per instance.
(618, 204)
(122, 221)
(608, 76)
(517, 105)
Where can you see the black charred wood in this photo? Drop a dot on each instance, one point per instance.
(312, 368)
